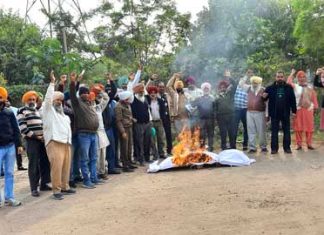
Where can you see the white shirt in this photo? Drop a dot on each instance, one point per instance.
(155, 110)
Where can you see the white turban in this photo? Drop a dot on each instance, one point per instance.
(125, 95)
(206, 85)
(58, 95)
(255, 79)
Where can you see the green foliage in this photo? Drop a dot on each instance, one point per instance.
(17, 91)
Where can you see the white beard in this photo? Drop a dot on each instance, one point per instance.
(140, 98)
(59, 109)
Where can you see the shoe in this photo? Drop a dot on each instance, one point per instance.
(252, 151)
(119, 166)
(103, 176)
(142, 164)
(299, 147)
(132, 167)
(288, 151)
(98, 182)
(58, 196)
(21, 168)
(245, 148)
(12, 202)
(162, 157)
(78, 179)
(45, 188)
(128, 170)
(274, 151)
(67, 192)
(35, 193)
(310, 147)
(88, 186)
(264, 150)
(114, 172)
(149, 161)
(72, 184)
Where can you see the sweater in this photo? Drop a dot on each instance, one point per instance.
(9, 133)
(56, 125)
(30, 122)
(140, 111)
(85, 116)
(256, 101)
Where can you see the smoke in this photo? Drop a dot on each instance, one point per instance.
(221, 39)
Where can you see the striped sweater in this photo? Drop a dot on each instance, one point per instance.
(30, 122)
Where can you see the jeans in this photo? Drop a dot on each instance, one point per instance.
(240, 116)
(88, 144)
(111, 150)
(8, 157)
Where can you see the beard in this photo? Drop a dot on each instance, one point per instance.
(58, 108)
(281, 82)
(140, 97)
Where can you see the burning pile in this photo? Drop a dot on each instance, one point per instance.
(189, 149)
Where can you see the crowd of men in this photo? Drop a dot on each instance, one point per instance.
(76, 134)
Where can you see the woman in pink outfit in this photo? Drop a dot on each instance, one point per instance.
(306, 101)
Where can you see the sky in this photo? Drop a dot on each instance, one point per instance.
(184, 6)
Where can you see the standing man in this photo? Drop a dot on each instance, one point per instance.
(142, 126)
(86, 125)
(306, 101)
(256, 118)
(178, 100)
(9, 138)
(282, 101)
(31, 128)
(205, 106)
(58, 140)
(124, 122)
(240, 103)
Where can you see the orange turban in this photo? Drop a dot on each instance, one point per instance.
(28, 95)
(97, 88)
(92, 96)
(3, 93)
(178, 84)
(301, 74)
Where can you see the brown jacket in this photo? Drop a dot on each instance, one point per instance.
(124, 117)
(177, 100)
(256, 101)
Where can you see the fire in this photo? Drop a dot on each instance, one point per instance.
(189, 149)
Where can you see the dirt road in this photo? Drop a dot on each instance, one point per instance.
(281, 194)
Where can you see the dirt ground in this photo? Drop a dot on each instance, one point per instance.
(282, 194)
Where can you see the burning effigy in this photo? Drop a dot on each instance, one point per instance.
(189, 152)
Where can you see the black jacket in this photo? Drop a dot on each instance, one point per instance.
(10, 133)
(290, 100)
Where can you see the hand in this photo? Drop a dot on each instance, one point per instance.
(265, 95)
(20, 150)
(124, 135)
(227, 73)
(140, 66)
(63, 78)
(293, 71)
(319, 71)
(73, 77)
(134, 120)
(52, 76)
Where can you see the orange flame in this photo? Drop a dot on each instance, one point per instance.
(189, 149)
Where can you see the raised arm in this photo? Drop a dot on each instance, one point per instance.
(290, 79)
(73, 97)
(133, 83)
(50, 92)
(242, 84)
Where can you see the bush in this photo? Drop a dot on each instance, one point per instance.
(17, 91)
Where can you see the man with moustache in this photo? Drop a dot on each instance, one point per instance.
(31, 128)
(58, 140)
(282, 102)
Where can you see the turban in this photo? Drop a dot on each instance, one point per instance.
(125, 95)
(3, 93)
(206, 85)
(178, 84)
(191, 80)
(92, 96)
(28, 95)
(152, 89)
(122, 81)
(223, 83)
(97, 88)
(58, 96)
(138, 88)
(301, 74)
(66, 95)
(255, 79)
(83, 90)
